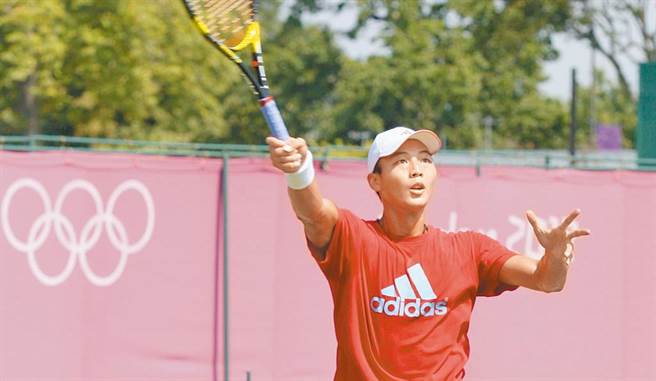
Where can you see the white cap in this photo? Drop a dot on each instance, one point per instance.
(387, 142)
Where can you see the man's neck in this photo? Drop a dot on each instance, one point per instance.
(399, 224)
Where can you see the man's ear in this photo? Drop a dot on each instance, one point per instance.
(374, 181)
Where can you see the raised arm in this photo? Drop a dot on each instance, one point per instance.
(317, 214)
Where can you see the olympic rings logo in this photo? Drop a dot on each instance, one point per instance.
(78, 246)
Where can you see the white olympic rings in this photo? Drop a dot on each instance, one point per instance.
(77, 246)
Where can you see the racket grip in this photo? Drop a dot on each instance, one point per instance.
(273, 118)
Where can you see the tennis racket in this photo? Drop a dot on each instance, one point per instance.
(231, 27)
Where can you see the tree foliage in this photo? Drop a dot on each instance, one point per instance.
(453, 64)
(109, 68)
(138, 69)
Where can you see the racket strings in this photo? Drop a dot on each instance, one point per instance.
(226, 20)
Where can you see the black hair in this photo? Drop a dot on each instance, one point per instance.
(377, 170)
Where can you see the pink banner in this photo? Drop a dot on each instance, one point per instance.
(600, 327)
(108, 270)
(107, 267)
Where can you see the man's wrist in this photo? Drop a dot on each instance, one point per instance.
(552, 271)
(302, 178)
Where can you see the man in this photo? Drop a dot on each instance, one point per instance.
(403, 290)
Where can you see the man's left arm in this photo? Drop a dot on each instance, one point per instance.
(550, 272)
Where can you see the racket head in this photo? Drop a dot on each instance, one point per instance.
(226, 22)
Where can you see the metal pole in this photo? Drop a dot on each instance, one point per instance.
(572, 130)
(547, 161)
(592, 117)
(217, 263)
(226, 329)
(593, 91)
(488, 121)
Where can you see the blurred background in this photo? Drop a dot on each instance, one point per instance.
(483, 74)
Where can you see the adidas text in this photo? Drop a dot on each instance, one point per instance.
(408, 307)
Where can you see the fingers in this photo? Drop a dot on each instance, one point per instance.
(578, 233)
(569, 249)
(298, 144)
(282, 151)
(290, 167)
(286, 161)
(302, 147)
(533, 220)
(292, 157)
(291, 145)
(569, 219)
(275, 142)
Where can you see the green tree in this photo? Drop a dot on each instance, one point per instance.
(120, 68)
(513, 39)
(33, 44)
(426, 80)
(139, 70)
(451, 65)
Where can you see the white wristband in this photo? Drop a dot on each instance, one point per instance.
(304, 176)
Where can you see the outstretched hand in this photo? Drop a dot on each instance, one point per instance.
(557, 240)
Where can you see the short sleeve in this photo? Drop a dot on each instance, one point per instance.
(490, 257)
(342, 244)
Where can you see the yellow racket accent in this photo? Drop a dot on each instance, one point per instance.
(230, 53)
(251, 37)
(201, 25)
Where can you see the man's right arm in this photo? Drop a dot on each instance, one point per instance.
(317, 214)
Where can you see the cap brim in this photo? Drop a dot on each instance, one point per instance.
(429, 138)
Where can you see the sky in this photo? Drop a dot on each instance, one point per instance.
(577, 54)
(573, 54)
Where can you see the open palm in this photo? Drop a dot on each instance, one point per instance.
(555, 240)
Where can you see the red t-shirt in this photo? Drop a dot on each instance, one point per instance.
(402, 308)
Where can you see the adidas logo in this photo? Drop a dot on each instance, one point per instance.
(404, 300)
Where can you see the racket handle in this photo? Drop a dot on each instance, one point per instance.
(273, 118)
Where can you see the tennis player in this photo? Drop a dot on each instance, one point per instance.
(403, 290)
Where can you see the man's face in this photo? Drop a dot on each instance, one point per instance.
(406, 177)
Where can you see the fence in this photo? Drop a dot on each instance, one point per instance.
(549, 159)
(154, 322)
